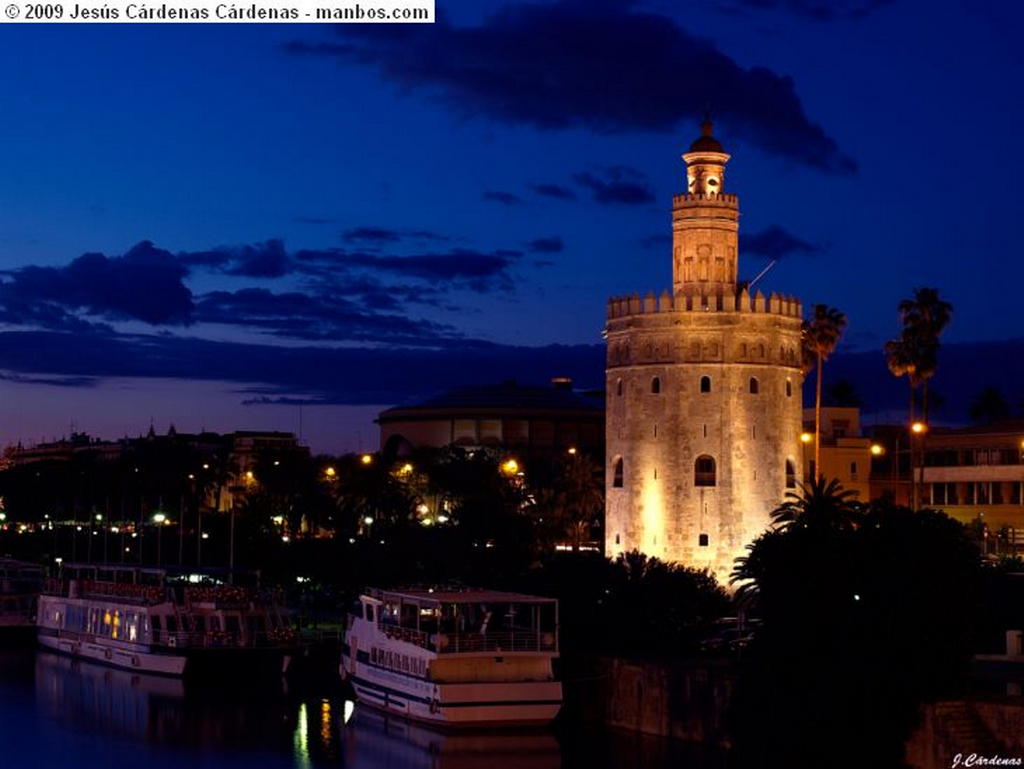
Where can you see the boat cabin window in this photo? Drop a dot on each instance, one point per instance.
(231, 623)
(156, 622)
(369, 612)
(215, 623)
(172, 625)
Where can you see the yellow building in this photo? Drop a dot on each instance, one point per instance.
(845, 454)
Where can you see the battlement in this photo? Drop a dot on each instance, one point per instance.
(724, 199)
(742, 302)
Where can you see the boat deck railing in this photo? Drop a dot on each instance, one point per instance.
(220, 639)
(523, 640)
(121, 591)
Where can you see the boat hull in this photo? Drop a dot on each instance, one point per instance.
(126, 657)
(466, 705)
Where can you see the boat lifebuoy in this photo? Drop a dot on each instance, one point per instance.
(172, 642)
(434, 706)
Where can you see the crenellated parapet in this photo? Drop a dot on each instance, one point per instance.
(723, 199)
(740, 302)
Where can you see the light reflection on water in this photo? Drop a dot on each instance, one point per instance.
(55, 711)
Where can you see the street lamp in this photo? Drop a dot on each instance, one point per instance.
(159, 519)
(918, 430)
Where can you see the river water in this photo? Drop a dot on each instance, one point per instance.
(58, 712)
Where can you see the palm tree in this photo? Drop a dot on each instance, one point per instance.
(924, 317)
(579, 496)
(820, 336)
(819, 505)
(915, 353)
(990, 405)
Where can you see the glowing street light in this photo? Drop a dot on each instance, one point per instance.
(877, 450)
(806, 437)
(366, 459)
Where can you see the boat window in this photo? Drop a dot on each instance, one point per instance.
(156, 622)
(172, 625)
(369, 613)
(200, 623)
(231, 623)
(214, 623)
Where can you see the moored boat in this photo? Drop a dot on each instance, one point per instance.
(455, 657)
(159, 621)
(20, 586)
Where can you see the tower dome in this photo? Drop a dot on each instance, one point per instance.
(706, 142)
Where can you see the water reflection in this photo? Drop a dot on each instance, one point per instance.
(308, 724)
(371, 739)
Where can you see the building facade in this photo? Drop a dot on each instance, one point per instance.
(703, 410)
(507, 415)
(976, 475)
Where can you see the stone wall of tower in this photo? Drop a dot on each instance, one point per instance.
(705, 234)
(659, 422)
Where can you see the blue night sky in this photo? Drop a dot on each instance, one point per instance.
(211, 225)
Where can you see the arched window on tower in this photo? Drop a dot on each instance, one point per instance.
(789, 389)
(618, 387)
(705, 384)
(704, 471)
(617, 474)
(656, 385)
(755, 388)
(790, 474)
(703, 540)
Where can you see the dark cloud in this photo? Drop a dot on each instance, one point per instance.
(263, 260)
(476, 270)
(552, 245)
(628, 69)
(505, 198)
(329, 374)
(144, 284)
(617, 185)
(312, 220)
(774, 242)
(301, 316)
(556, 191)
(73, 382)
(382, 235)
(822, 10)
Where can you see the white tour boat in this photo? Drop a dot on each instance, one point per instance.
(153, 620)
(455, 657)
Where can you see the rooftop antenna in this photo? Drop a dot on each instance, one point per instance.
(762, 273)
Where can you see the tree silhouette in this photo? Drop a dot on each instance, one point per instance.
(820, 335)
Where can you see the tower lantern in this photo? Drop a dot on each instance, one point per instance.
(705, 223)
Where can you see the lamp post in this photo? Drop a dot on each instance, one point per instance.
(159, 519)
(918, 430)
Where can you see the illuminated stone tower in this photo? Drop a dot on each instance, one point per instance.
(703, 392)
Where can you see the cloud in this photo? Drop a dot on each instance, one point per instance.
(626, 70)
(312, 220)
(552, 245)
(619, 185)
(144, 284)
(506, 198)
(302, 316)
(774, 242)
(823, 11)
(556, 191)
(262, 260)
(329, 374)
(382, 235)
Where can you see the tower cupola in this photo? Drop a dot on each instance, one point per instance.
(705, 223)
(705, 163)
